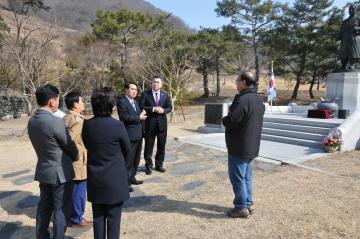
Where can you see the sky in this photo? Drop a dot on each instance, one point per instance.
(200, 13)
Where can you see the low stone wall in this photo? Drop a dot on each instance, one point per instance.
(12, 107)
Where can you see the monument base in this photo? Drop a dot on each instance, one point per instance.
(344, 88)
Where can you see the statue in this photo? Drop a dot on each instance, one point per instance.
(349, 36)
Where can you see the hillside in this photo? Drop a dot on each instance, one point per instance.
(79, 14)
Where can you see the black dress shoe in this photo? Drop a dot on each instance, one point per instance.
(160, 169)
(136, 182)
(148, 170)
(131, 189)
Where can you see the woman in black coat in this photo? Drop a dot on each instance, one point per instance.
(107, 146)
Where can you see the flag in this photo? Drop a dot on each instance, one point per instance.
(271, 92)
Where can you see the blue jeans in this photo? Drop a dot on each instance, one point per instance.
(78, 201)
(240, 174)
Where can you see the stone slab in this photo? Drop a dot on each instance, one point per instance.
(188, 168)
(28, 202)
(170, 158)
(16, 173)
(156, 180)
(272, 151)
(24, 180)
(191, 186)
(9, 229)
(7, 194)
(222, 174)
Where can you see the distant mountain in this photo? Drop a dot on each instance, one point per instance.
(79, 14)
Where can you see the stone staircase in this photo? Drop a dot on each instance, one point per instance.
(296, 130)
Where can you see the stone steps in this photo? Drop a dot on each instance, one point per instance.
(293, 134)
(299, 128)
(289, 140)
(297, 131)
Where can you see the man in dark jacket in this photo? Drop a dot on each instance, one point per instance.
(243, 127)
(129, 112)
(157, 104)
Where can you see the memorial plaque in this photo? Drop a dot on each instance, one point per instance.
(213, 114)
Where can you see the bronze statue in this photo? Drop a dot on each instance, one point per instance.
(349, 36)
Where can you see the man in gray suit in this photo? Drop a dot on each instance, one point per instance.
(54, 170)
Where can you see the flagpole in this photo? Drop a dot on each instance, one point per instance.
(271, 101)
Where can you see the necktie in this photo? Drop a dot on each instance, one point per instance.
(156, 98)
(133, 104)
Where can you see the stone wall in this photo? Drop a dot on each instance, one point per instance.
(12, 107)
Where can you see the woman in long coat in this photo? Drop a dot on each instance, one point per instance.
(107, 145)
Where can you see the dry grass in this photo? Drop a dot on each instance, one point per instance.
(284, 90)
(290, 203)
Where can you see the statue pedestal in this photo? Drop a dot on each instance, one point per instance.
(346, 87)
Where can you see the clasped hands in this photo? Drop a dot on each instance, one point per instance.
(158, 110)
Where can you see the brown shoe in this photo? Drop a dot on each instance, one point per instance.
(238, 213)
(87, 221)
(83, 224)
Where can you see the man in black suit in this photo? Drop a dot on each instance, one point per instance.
(157, 104)
(130, 113)
(55, 151)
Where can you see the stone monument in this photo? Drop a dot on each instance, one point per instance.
(343, 85)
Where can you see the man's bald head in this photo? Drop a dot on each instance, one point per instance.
(248, 77)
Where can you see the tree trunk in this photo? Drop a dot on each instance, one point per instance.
(173, 113)
(257, 69)
(29, 105)
(298, 76)
(296, 88)
(205, 83)
(217, 78)
(311, 88)
(254, 45)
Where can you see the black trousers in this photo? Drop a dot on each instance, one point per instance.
(133, 159)
(106, 220)
(150, 136)
(53, 199)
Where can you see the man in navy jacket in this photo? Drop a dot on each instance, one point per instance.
(157, 104)
(243, 127)
(130, 113)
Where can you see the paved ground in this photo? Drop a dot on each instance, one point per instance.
(321, 199)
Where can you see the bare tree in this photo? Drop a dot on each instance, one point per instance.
(173, 65)
(30, 47)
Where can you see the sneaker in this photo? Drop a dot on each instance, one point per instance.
(251, 208)
(238, 213)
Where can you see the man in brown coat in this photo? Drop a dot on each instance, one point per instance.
(74, 122)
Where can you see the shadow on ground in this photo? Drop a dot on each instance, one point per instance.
(17, 230)
(160, 203)
(19, 202)
(24, 203)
